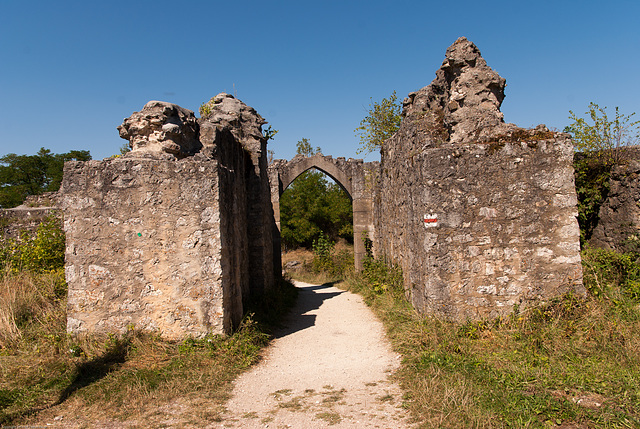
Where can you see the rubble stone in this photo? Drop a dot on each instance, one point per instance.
(162, 130)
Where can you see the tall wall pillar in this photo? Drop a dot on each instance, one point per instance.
(362, 220)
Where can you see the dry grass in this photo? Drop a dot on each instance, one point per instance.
(573, 362)
(342, 255)
(32, 304)
(131, 380)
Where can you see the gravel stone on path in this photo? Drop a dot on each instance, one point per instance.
(329, 366)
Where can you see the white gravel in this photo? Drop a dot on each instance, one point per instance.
(329, 366)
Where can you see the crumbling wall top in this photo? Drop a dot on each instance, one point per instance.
(464, 98)
(227, 112)
(161, 130)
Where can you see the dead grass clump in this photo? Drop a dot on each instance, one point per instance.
(31, 305)
(336, 265)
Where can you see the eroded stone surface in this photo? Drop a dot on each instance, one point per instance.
(225, 112)
(161, 128)
(165, 241)
(480, 215)
(144, 247)
(619, 224)
(226, 119)
(464, 98)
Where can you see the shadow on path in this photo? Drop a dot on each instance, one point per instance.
(309, 298)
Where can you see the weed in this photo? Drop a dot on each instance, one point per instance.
(278, 394)
(294, 404)
(385, 398)
(333, 396)
(327, 260)
(42, 251)
(337, 266)
(205, 109)
(508, 372)
(332, 418)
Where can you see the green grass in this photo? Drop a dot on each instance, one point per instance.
(573, 361)
(45, 372)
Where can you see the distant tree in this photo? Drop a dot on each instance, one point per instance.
(312, 205)
(303, 147)
(23, 175)
(382, 121)
(603, 137)
(600, 143)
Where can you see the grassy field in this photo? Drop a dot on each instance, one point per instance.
(136, 378)
(571, 363)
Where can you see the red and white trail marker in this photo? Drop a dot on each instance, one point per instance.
(430, 220)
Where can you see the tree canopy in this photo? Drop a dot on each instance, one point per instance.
(601, 136)
(382, 121)
(312, 206)
(23, 175)
(303, 147)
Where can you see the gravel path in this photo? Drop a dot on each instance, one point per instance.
(328, 367)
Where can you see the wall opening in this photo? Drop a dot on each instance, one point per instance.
(315, 205)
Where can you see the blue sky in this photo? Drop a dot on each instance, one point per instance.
(70, 72)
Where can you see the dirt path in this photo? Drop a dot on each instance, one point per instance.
(328, 367)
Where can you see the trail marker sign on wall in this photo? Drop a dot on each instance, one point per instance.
(430, 220)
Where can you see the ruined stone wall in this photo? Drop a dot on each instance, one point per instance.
(478, 229)
(144, 247)
(235, 167)
(480, 214)
(230, 119)
(160, 238)
(619, 216)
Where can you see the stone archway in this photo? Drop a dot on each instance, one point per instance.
(353, 175)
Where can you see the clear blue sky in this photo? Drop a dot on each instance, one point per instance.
(71, 71)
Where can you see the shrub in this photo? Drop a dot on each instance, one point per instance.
(606, 271)
(326, 260)
(42, 251)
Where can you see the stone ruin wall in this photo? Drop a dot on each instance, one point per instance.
(175, 235)
(480, 214)
(618, 225)
(160, 237)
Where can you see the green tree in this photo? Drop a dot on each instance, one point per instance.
(303, 147)
(23, 175)
(601, 136)
(312, 205)
(600, 143)
(382, 121)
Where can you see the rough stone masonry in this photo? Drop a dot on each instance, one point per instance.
(480, 214)
(172, 236)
